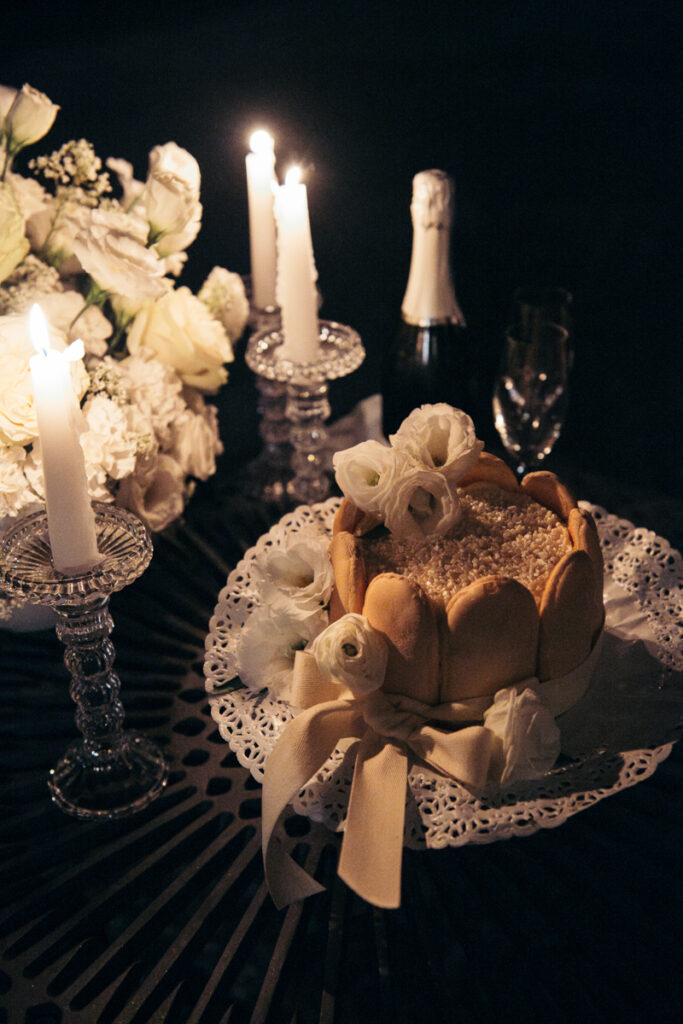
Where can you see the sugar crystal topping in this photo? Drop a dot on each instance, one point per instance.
(501, 533)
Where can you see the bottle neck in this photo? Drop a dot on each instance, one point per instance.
(430, 295)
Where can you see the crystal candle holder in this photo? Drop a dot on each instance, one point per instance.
(111, 772)
(307, 407)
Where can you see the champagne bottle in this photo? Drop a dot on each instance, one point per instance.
(426, 363)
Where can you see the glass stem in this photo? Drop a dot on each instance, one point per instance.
(89, 656)
(307, 409)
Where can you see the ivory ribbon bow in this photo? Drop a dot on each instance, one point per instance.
(389, 727)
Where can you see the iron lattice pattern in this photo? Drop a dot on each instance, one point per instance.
(166, 918)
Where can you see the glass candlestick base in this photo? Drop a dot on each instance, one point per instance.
(111, 772)
(340, 352)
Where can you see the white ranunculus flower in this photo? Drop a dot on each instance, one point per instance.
(113, 252)
(18, 423)
(351, 652)
(267, 645)
(366, 474)
(297, 576)
(181, 332)
(528, 732)
(439, 437)
(224, 296)
(422, 503)
(30, 116)
(13, 242)
(157, 496)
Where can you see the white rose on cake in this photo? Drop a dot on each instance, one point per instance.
(439, 437)
(352, 653)
(181, 332)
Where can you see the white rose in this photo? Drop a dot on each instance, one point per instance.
(30, 116)
(267, 645)
(351, 652)
(439, 437)
(196, 442)
(18, 423)
(7, 94)
(16, 494)
(13, 242)
(112, 251)
(528, 733)
(366, 473)
(422, 503)
(158, 496)
(181, 332)
(297, 576)
(224, 296)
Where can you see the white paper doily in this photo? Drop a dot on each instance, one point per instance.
(620, 732)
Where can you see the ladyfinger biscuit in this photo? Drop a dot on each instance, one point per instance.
(353, 520)
(398, 608)
(350, 580)
(491, 470)
(491, 638)
(546, 489)
(571, 615)
(584, 537)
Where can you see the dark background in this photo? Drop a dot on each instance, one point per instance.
(557, 120)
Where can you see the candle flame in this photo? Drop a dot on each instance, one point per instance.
(261, 142)
(37, 328)
(293, 176)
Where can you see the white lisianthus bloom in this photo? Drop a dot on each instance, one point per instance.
(172, 157)
(18, 423)
(181, 332)
(366, 474)
(130, 187)
(16, 494)
(439, 437)
(421, 504)
(196, 442)
(169, 204)
(297, 576)
(351, 652)
(157, 496)
(267, 646)
(224, 296)
(30, 116)
(112, 251)
(528, 733)
(13, 242)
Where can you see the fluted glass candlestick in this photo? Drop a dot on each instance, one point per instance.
(111, 772)
(340, 353)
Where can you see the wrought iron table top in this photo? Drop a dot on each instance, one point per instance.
(166, 918)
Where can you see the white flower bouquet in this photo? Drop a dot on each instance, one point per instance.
(103, 268)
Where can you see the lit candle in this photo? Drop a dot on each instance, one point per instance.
(260, 183)
(70, 517)
(296, 274)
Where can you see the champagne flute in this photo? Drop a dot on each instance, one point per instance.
(530, 392)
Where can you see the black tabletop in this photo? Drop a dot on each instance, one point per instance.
(557, 124)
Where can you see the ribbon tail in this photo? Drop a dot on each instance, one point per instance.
(303, 747)
(372, 847)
